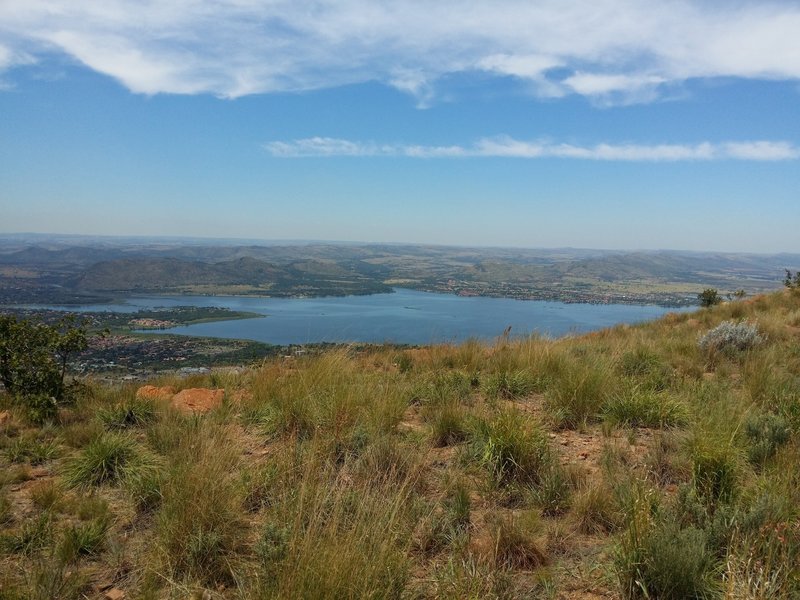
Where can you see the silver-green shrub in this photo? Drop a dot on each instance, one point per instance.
(731, 336)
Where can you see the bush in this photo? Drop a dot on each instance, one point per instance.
(34, 355)
(40, 408)
(766, 432)
(709, 297)
(730, 337)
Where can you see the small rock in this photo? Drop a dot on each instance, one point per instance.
(5, 417)
(39, 472)
(115, 594)
(104, 585)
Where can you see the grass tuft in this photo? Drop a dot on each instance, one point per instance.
(109, 458)
(512, 447)
(132, 413)
(644, 408)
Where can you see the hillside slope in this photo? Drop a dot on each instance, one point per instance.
(634, 462)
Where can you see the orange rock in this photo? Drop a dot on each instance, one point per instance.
(115, 594)
(5, 417)
(198, 400)
(152, 392)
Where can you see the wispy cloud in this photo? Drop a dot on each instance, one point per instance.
(624, 50)
(507, 147)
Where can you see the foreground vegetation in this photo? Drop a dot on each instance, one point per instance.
(650, 461)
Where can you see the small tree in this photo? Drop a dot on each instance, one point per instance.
(792, 281)
(709, 297)
(34, 355)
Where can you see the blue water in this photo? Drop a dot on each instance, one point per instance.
(405, 317)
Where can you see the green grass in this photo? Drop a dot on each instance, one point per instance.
(132, 413)
(645, 408)
(512, 447)
(109, 458)
(31, 450)
(576, 398)
(83, 539)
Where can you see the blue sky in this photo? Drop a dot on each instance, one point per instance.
(605, 124)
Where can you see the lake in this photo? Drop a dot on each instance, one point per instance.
(404, 317)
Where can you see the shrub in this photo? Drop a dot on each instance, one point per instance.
(34, 355)
(730, 337)
(273, 546)
(709, 297)
(40, 408)
(766, 433)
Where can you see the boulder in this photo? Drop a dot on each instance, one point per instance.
(198, 400)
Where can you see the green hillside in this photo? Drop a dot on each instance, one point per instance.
(241, 275)
(651, 461)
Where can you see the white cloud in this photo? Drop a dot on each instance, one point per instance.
(507, 147)
(625, 50)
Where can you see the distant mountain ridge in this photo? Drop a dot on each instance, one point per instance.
(169, 274)
(55, 269)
